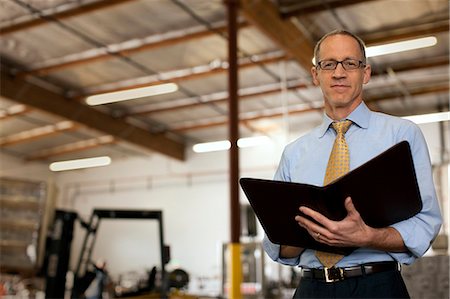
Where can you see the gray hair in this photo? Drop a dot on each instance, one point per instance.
(361, 44)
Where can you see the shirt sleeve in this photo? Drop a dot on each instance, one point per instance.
(419, 231)
(273, 251)
(282, 173)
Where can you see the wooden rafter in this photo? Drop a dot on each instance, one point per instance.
(264, 15)
(407, 32)
(72, 147)
(14, 110)
(169, 39)
(436, 88)
(37, 133)
(79, 10)
(410, 66)
(189, 75)
(417, 64)
(38, 97)
(221, 99)
(303, 8)
(176, 76)
(370, 100)
(373, 38)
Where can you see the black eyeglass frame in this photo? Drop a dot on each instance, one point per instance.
(360, 64)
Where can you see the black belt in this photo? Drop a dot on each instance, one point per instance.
(337, 274)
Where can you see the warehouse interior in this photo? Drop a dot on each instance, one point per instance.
(158, 216)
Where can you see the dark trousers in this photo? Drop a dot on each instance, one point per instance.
(388, 284)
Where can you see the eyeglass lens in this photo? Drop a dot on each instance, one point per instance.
(349, 64)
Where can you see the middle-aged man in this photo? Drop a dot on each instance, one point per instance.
(372, 270)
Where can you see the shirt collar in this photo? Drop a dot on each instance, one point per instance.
(360, 116)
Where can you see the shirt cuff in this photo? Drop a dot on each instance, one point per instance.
(416, 246)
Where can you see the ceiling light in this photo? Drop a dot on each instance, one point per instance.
(212, 146)
(396, 47)
(80, 163)
(131, 94)
(429, 118)
(401, 46)
(253, 141)
(226, 144)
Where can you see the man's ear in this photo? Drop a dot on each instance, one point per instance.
(367, 73)
(314, 76)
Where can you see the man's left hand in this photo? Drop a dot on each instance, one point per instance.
(351, 231)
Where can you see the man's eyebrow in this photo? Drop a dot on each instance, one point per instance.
(348, 57)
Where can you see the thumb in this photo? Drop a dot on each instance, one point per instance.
(348, 203)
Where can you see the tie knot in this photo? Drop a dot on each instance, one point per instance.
(341, 127)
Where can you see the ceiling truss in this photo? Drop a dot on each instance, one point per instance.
(262, 14)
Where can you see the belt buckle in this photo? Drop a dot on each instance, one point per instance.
(333, 274)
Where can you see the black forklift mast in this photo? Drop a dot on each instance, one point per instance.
(60, 242)
(89, 242)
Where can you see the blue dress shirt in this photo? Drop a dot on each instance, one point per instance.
(305, 161)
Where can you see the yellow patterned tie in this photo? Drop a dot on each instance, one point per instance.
(338, 165)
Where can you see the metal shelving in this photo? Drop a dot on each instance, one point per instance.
(22, 208)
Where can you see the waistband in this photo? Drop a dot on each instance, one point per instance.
(338, 274)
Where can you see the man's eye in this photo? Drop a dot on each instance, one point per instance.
(328, 64)
(351, 63)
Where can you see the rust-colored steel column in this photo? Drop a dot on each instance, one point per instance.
(235, 270)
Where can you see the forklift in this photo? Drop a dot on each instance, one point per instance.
(58, 249)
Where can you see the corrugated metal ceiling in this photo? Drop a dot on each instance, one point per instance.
(76, 48)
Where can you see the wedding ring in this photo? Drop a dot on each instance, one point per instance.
(318, 235)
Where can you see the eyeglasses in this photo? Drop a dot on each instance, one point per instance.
(348, 64)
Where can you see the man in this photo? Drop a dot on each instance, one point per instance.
(372, 270)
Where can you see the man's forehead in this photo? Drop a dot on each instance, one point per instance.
(340, 38)
(340, 45)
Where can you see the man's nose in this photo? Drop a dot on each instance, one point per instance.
(339, 71)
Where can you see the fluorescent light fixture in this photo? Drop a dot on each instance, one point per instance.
(429, 118)
(226, 144)
(80, 163)
(397, 47)
(212, 146)
(402, 46)
(131, 94)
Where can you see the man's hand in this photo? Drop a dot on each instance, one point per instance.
(351, 231)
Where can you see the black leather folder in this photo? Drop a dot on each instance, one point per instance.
(384, 190)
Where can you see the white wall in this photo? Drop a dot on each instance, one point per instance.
(195, 223)
(194, 198)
